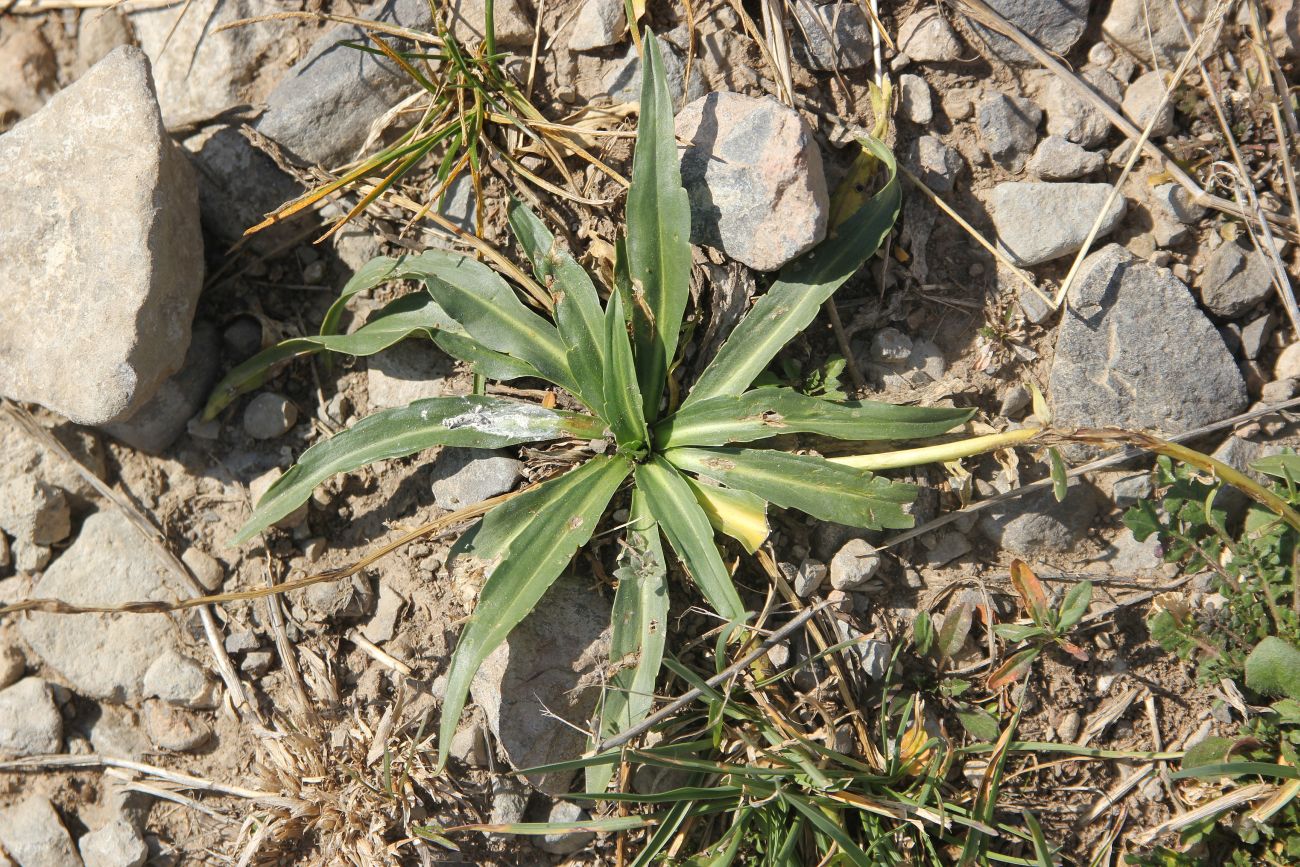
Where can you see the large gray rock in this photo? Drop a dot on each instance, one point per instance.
(835, 36)
(1234, 280)
(1133, 350)
(1139, 25)
(547, 666)
(1075, 117)
(322, 110)
(201, 72)
(465, 477)
(1054, 24)
(30, 722)
(1008, 127)
(32, 833)
(106, 656)
(157, 424)
(753, 173)
(1038, 222)
(101, 259)
(565, 813)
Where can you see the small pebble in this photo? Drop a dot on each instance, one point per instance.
(566, 844)
(206, 568)
(257, 663)
(269, 415)
(854, 565)
(12, 665)
(314, 548)
(809, 578)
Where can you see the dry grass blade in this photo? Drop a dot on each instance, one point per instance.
(1232, 800)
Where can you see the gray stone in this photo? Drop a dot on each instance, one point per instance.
(1139, 25)
(242, 641)
(854, 565)
(410, 371)
(381, 626)
(809, 578)
(238, 186)
(172, 729)
(179, 680)
(201, 71)
(1128, 556)
(1142, 103)
(106, 656)
(34, 512)
(890, 346)
(117, 732)
(512, 28)
(12, 665)
(257, 662)
(564, 812)
(269, 415)
(924, 364)
(1134, 351)
(1038, 222)
(206, 568)
(32, 834)
(101, 262)
(1131, 489)
(322, 110)
(943, 548)
(835, 36)
(914, 99)
(1287, 365)
(547, 666)
(1255, 334)
(1278, 391)
(753, 174)
(1174, 199)
(1054, 24)
(937, 163)
(1076, 118)
(1036, 524)
(117, 844)
(1234, 280)
(1008, 128)
(468, 746)
(875, 656)
(464, 477)
(157, 424)
(927, 37)
(1059, 159)
(622, 81)
(509, 801)
(600, 23)
(30, 722)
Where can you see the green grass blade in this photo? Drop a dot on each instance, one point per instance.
(475, 296)
(375, 272)
(673, 505)
(810, 484)
(767, 412)
(658, 233)
(824, 824)
(792, 302)
(577, 305)
(473, 421)
(530, 539)
(622, 397)
(639, 628)
(539, 829)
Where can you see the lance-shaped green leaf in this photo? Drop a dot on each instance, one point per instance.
(792, 302)
(766, 412)
(484, 304)
(379, 270)
(673, 505)
(638, 630)
(523, 546)
(832, 492)
(658, 233)
(473, 421)
(413, 315)
(622, 397)
(577, 306)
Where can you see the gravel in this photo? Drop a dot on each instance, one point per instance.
(809, 577)
(1036, 524)
(914, 99)
(1008, 128)
(1054, 24)
(117, 844)
(1075, 117)
(30, 722)
(1234, 281)
(177, 679)
(927, 37)
(600, 23)
(1138, 25)
(937, 164)
(832, 36)
(566, 812)
(854, 565)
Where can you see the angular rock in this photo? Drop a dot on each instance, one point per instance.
(464, 477)
(107, 655)
(546, 666)
(1142, 102)
(30, 722)
(939, 164)
(1054, 24)
(914, 99)
(201, 72)
(1075, 117)
(321, 111)
(753, 173)
(600, 23)
(854, 565)
(1255, 334)
(927, 37)
(1234, 280)
(809, 578)
(157, 424)
(388, 607)
(512, 28)
(1059, 159)
(622, 81)
(117, 844)
(12, 665)
(1138, 25)
(410, 371)
(835, 36)
(32, 833)
(1035, 524)
(1134, 351)
(566, 812)
(101, 259)
(1008, 127)
(1177, 202)
(34, 512)
(177, 679)
(1130, 489)
(1038, 222)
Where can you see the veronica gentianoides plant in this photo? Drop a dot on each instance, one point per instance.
(693, 467)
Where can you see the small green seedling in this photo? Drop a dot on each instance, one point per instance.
(1048, 626)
